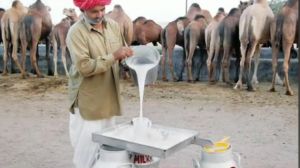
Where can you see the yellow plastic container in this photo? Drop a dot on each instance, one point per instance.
(218, 147)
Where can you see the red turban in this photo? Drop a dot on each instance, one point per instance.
(88, 4)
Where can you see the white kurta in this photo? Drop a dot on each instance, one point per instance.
(85, 150)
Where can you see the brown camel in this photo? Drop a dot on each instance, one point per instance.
(139, 21)
(173, 34)
(58, 37)
(194, 35)
(284, 35)
(254, 30)
(212, 39)
(170, 36)
(10, 24)
(36, 26)
(145, 32)
(124, 21)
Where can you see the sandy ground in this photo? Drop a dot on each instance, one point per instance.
(263, 126)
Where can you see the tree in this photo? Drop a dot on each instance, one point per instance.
(276, 5)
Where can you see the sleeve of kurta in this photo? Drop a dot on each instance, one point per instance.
(86, 65)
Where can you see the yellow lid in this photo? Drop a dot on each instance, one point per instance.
(218, 147)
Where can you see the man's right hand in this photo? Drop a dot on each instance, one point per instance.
(123, 53)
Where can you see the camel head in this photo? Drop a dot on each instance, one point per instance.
(70, 12)
(221, 10)
(219, 16)
(194, 9)
(195, 6)
(244, 5)
(118, 8)
(19, 6)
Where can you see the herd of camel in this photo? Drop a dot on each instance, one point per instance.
(240, 33)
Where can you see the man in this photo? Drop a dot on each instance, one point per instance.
(96, 46)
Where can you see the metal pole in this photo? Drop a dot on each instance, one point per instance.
(186, 3)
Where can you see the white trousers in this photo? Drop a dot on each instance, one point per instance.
(85, 150)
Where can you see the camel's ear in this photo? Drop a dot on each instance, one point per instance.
(241, 2)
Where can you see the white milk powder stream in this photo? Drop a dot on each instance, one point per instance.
(144, 59)
(141, 65)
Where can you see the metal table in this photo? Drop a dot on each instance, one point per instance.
(161, 141)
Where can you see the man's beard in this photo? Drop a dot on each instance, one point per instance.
(93, 21)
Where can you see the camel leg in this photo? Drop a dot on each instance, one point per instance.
(189, 59)
(216, 62)
(170, 42)
(63, 57)
(183, 60)
(170, 60)
(278, 80)
(5, 56)
(226, 64)
(163, 64)
(187, 51)
(15, 50)
(54, 43)
(256, 63)
(12, 65)
(242, 64)
(209, 64)
(275, 51)
(286, 49)
(23, 48)
(237, 62)
(50, 72)
(33, 58)
(252, 50)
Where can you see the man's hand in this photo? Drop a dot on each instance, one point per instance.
(123, 53)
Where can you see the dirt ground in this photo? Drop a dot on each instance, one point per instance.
(263, 126)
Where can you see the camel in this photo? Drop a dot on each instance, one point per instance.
(170, 36)
(254, 30)
(58, 37)
(194, 35)
(229, 41)
(10, 24)
(212, 39)
(139, 21)
(124, 21)
(36, 26)
(228, 31)
(146, 31)
(173, 34)
(284, 35)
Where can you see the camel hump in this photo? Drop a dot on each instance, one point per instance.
(140, 19)
(199, 17)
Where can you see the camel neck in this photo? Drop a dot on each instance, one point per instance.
(73, 19)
